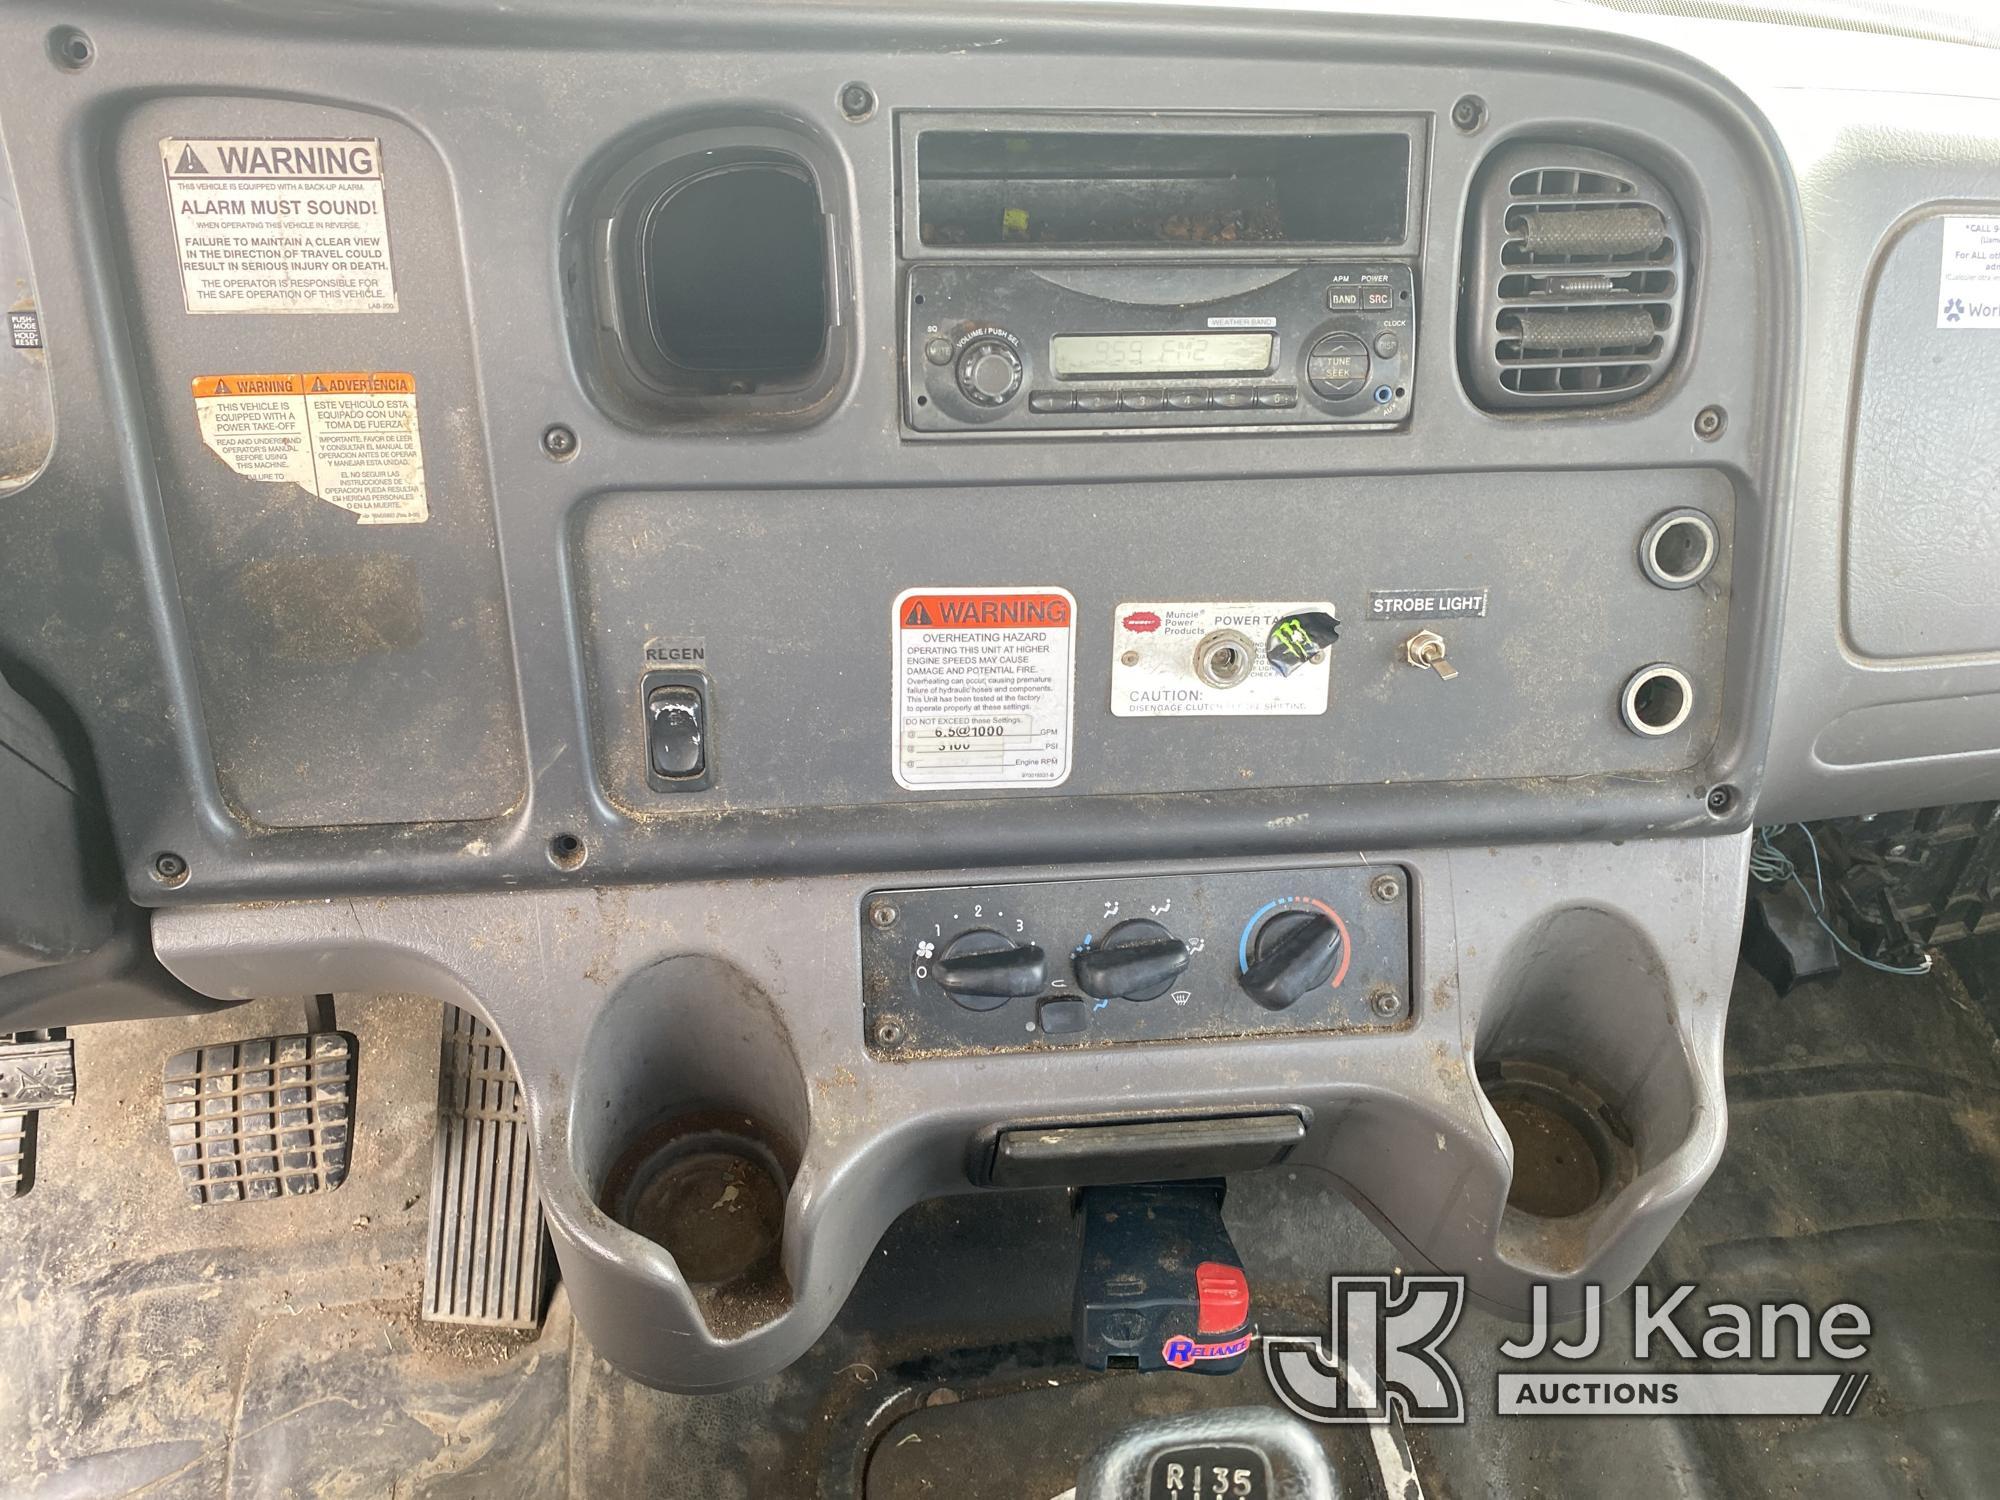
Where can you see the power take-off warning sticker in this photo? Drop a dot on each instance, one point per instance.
(985, 687)
(347, 436)
(280, 226)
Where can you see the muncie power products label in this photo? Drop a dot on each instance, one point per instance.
(985, 683)
(280, 226)
(1196, 659)
(349, 437)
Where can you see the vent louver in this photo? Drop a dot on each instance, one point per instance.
(1575, 281)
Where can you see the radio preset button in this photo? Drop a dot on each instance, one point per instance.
(1097, 401)
(989, 372)
(1187, 400)
(1051, 401)
(1338, 365)
(1141, 400)
(1235, 400)
(1278, 397)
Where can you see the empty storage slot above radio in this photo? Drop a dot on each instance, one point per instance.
(1070, 188)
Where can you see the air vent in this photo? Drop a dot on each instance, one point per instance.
(1575, 282)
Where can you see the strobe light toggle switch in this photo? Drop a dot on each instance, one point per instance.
(1426, 649)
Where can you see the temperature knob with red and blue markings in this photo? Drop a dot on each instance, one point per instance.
(1289, 948)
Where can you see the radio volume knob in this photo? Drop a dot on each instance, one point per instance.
(989, 372)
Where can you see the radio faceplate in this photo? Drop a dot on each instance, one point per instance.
(998, 349)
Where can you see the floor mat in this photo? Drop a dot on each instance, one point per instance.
(151, 1347)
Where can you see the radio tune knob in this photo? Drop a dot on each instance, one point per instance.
(989, 372)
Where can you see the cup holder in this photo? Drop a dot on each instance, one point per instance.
(709, 1188)
(1571, 1150)
(685, 1131)
(1582, 1060)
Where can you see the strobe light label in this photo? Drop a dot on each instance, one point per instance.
(984, 687)
(280, 226)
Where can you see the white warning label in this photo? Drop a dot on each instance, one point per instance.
(1969, 280)
(347, 436)
(280, 226)
(985, 682)
(1209, 659)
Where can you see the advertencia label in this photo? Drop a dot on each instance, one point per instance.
(985, 687)
(349, 437)
(280, 226)
(1969, 281)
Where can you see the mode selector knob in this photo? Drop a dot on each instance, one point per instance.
(982, 970)
(989, 371)
(1292, 954)
(1138, 960)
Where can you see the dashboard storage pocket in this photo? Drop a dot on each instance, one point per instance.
(708, 268)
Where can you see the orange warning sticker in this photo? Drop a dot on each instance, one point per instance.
(1002, 610)
(348, 436)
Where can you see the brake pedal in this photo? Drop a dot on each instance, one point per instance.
(1160, 1285)
(272, 1117)
(486, 1260)
(37, 1072)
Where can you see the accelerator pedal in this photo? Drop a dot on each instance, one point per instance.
(37, 1072)
(487, 1258)
(272, 1117)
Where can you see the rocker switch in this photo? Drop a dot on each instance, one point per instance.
(677, 731)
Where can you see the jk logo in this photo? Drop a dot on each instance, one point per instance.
(1385, 1348)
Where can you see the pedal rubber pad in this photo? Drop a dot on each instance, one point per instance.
(272, 1117)
(37, 1072)
(487, 1259)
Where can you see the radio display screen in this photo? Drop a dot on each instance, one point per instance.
(1081, 354)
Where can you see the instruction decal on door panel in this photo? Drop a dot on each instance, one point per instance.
(280, 226)
(985, 687)
(349, 437)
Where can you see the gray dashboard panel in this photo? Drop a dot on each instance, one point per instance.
(599, 80)
(792, 594)
(1923, 498)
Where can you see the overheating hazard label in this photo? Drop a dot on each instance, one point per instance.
(349, 437)
(985, 682)
(280, 226)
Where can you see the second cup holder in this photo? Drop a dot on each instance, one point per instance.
(1571, 1151)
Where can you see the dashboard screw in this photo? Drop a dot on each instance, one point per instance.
(169, 869)
(888, 1033)
(857, 102)
(1721, 799)
(1385, 1003)
(559, 442)
(882, 914)
(1469, 113)
(1709, 422)
(1386, 888)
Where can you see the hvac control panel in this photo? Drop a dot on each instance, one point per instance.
(1090, 963)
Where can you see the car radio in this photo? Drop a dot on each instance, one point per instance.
(1048, 348)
